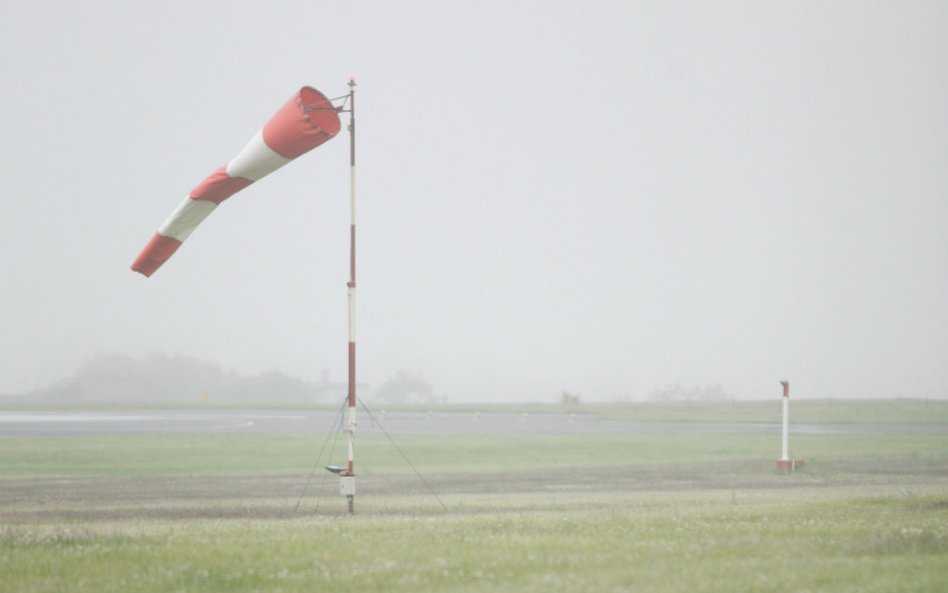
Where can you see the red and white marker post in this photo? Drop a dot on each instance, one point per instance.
(785, 464)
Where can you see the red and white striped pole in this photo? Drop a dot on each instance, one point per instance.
(347, 477)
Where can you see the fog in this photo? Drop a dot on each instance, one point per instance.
(601, 197)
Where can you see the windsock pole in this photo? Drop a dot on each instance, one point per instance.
(347, 474)
(347, 478)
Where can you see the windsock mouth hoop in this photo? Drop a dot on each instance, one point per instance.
(319, 110)
(307, 120)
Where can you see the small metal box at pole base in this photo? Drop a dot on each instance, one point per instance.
(347, 486)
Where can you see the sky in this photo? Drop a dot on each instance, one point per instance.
(604, 197)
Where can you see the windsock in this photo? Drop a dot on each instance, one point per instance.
(307, 120)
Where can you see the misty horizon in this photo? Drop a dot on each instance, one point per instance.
(116, 379)
(602, 199)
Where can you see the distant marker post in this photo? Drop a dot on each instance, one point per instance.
(785, 464)
(786, 422)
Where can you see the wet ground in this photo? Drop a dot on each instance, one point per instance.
(276, 496)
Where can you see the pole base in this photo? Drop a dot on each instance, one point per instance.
(786, 466)
(347, 488)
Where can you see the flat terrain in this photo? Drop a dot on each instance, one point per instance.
(594, 499)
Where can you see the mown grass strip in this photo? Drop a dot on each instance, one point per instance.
(254, 454)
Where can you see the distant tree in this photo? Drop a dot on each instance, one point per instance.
(570, 399)
(406, 387)
(274, 386)
(164, 379)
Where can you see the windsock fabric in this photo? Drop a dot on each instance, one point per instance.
(307, 120)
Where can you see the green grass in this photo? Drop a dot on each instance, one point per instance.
(235, 454)
(662, 513)
(760, 542)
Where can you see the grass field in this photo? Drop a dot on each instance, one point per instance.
(607, 512)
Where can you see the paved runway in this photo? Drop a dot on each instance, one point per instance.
(308, 421)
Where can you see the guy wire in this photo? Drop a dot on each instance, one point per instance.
(337, 421)
(378, 422)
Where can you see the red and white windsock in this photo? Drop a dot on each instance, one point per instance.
(307, 120)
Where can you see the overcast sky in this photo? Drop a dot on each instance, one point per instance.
(601, 197)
